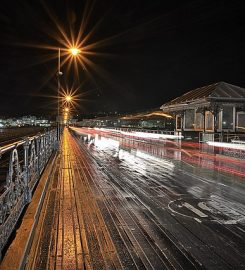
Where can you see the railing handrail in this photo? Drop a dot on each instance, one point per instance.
(24, 170)
(10, 146)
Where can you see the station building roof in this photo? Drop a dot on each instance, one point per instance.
(220, 92)
(152, 114)
(146, 115)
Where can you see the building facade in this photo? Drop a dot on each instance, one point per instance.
(214, 109)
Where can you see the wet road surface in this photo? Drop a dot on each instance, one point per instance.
(111, 205)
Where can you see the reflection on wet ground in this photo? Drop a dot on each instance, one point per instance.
(187, 193)
(117, 202)
(198, 155)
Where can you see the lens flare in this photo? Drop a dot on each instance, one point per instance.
(74, 51)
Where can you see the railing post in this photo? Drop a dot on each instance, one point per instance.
(45, 145)
(48, 143)
(27, 190)
(38, 153)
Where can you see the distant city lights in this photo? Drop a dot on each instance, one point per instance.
(24, 121)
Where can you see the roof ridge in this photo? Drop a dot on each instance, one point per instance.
(207, 91)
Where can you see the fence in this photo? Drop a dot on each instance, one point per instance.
(23, 163)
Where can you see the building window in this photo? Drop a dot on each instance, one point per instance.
(178, 122)
(219, 120)
(199, 121)
(209, 121)
(227, 118)
(189, 119)
(241, 121)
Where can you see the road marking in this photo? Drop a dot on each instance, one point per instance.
(194, 210)
(198, 220)
(230, 222)
(203, 206)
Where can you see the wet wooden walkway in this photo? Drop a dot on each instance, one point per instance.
(71, 233)
(100, 214)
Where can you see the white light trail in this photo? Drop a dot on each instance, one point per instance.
(238, 146)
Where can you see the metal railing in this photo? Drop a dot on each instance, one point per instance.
(23, 162)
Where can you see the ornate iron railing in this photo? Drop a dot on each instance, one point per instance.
(21, 165)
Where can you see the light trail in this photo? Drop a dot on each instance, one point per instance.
(189, 152)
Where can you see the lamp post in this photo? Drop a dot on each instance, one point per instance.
(68, 98)
(74, 52)
(59, 73)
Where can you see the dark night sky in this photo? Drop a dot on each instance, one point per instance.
(154, 51)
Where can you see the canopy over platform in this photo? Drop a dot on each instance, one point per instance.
(205, 96)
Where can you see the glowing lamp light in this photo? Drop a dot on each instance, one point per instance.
(68, 98)
(66, 109)
(74, 51)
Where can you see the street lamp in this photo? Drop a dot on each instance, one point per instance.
(68, 98)
(74, 52)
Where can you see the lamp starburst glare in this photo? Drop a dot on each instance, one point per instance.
(74, 51)
(68, 98)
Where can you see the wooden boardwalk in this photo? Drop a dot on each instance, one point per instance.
(100, 213)
(71, 233)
